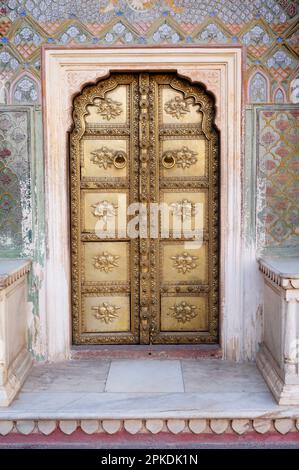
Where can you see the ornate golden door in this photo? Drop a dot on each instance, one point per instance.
(144, 138)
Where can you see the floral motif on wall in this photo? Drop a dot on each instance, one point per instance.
(258, 89)
(278, 177)
(212, 33)
(279, 96)
(8, 65)
(25, 91)
(281, 64)
(166, 34)
(74, 34)
(26, 41)
(118, 33)
(257, 41)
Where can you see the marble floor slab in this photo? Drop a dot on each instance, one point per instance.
(225, 376)
(145, 376)
(74, 376)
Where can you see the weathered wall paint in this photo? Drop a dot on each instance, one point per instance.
(36, 323)
(252, 285)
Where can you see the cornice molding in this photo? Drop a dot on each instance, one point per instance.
(12, 270)
(275, 270)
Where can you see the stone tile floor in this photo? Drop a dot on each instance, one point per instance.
(150, 404)
(137, 388)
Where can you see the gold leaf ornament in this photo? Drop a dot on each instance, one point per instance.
(106, 312)
(184, 208)
(105, 210)
(183, 158)
(108, 108)
(184, 262)
(183, 312)
(105, 158)
(105, 262)
(178, 106)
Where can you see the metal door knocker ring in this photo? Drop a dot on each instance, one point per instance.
(168, 160)
(120, 160)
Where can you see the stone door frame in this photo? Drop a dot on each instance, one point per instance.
(64, 73)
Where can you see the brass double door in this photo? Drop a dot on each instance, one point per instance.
(143, 138)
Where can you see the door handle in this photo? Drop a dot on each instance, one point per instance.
(168, 160)
(120, 160)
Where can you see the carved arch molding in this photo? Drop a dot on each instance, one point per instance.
(147, 138)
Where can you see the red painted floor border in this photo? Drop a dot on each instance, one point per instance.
(123, 437)
(146, 351)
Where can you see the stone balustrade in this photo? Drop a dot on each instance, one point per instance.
(278, 357)
(15, 360)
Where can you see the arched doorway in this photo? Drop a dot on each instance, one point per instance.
(146, 139)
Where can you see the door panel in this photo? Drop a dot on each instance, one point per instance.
(104, 181)
(104, 262)
(104, 157)
(184, 169)
(184, 314)
(106, 314)
(147, 138)
(100, 207)
(183, 265)
(183, 158)
(174, 108)
(183, 210)
(112, 109)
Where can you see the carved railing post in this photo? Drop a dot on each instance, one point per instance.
(278, 356)
(15, 359)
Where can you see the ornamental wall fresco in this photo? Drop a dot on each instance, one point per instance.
(267, 28)
(278, 170)
(15, 200)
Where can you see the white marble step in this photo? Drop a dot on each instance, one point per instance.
(138, 396)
